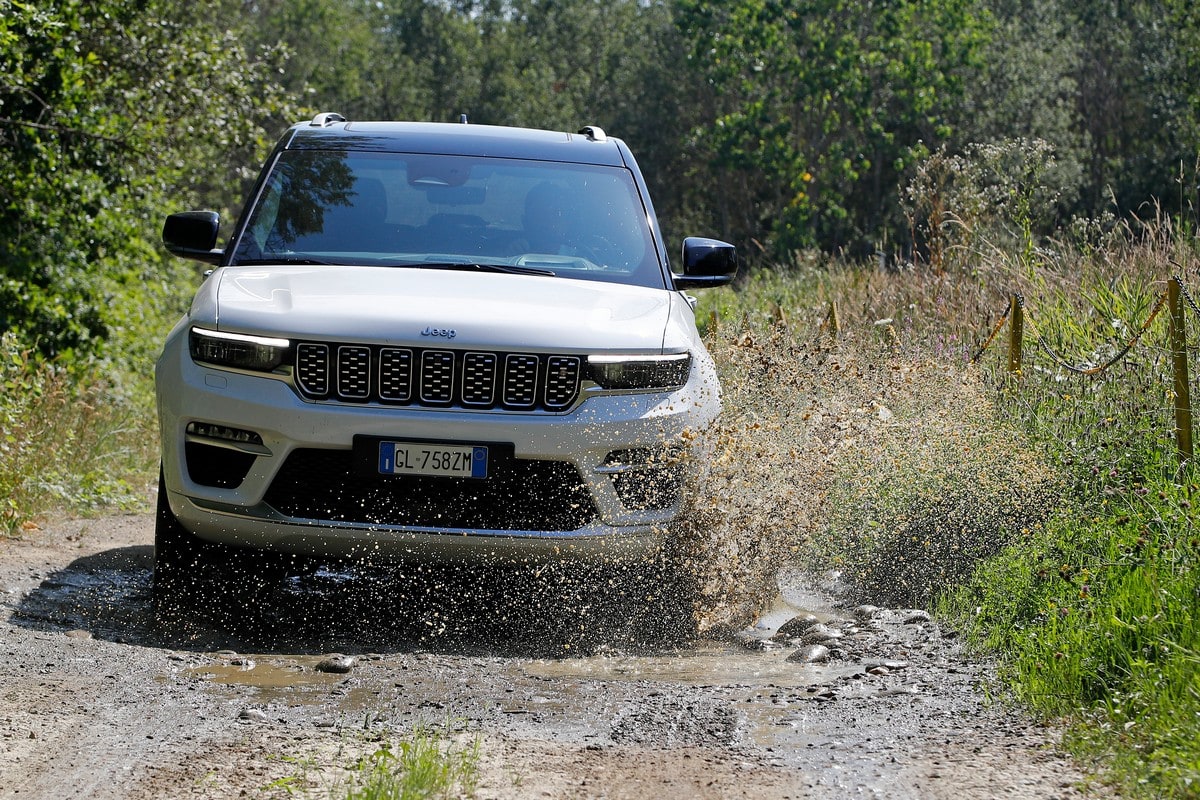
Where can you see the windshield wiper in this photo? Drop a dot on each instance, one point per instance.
(307, 260)
(475, 266)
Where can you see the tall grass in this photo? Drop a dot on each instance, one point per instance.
(423, 764)
(69, 439)
(1045, 513)
(1095, 613)
(418, 767)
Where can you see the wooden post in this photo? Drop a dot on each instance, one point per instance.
(1183, 404)
(1016, 330)
(831, 320)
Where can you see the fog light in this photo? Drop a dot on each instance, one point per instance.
(223, 433)
(646, 478)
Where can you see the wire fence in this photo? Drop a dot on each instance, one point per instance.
(1017, 317)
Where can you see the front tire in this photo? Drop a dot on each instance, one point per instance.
(182, 560)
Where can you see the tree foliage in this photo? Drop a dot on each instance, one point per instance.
(776, 124)
(821, 106)
(107, 110)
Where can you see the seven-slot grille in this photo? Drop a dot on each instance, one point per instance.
(440, 378)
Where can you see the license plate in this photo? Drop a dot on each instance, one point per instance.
(424, 458)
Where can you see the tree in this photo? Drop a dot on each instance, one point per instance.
(1134, 84)
(821, 106)
(108, 110)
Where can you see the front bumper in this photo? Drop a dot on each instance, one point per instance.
(615, 521)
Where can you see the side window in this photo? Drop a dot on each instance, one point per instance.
(264, 217)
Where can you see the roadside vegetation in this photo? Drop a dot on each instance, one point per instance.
(1047, 515)
(72, 438)
(423, 765)
(892, 176)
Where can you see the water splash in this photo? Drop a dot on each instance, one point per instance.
(848, 455)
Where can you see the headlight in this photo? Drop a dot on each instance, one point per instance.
(640, 372)
(237, 350)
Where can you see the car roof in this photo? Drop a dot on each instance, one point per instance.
(589, 146)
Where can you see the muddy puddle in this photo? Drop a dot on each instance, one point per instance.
(739, 689)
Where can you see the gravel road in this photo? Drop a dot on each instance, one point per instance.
(269, 696)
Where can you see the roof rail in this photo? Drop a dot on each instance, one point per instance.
(594, 133)
(325, 119)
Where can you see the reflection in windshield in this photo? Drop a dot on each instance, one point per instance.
(300, 193)
(571, 220)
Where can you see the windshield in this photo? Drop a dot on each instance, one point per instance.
(414, 210)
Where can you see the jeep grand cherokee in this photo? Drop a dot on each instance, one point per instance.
(429, 340)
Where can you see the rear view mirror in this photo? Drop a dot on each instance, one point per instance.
(706, 263)
(193, 234)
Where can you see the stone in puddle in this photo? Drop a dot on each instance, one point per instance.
(820, 634)
(335, 663)
(796, 626)
(902, 616)
(810, 654)
(866, 611)
(762, 645)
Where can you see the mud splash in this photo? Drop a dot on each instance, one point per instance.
(850, 455)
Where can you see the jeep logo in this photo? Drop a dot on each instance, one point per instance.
(449, 333)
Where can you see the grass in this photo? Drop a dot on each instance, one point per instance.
(422, 765)
(1046, 514)
(418, 767)
(69, 439)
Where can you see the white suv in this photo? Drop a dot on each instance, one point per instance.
(428, 341)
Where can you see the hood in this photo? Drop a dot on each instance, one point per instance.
(438, 308)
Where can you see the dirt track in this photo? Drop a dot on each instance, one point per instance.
(100, 699)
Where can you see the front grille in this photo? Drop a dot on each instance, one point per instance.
(437, 378)
(354, 373)
(520, 381)
(520, 494)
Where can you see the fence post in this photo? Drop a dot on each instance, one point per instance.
(1183, 404)
(1015, 332)
(832, 319)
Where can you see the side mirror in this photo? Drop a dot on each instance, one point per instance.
(706, 263)
(193, 234)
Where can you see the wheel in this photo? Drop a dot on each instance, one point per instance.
(182, 561)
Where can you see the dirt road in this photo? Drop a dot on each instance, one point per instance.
(98, 698)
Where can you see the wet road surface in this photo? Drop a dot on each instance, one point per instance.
(571, 691)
